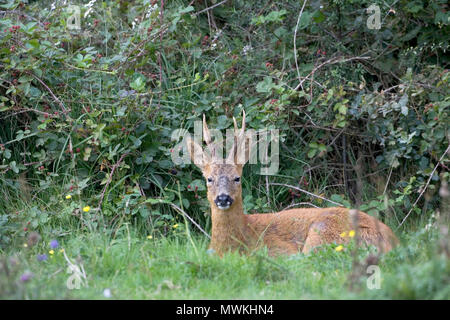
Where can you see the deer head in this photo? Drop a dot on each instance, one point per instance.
(223, 176)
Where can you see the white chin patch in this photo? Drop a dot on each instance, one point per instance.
(223, 207)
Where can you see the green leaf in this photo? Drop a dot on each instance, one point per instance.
(87, 153)
(336, 198)
(305, 20)
(403, 104)
(144, 212)
(156, 201)
(265, 86)
(342, 123)
(442, 17)
(342, 108)
(221, 122)
(33, 43)
(10, 5)
(186, 10)
(43, 217)
(318, 16)
(7, 154)
(276, 16)
(413, 33)
(138, 84)
(199, 184)
(136, 142)
(13, 166)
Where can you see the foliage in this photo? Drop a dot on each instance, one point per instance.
(129, 266)
(90, 112)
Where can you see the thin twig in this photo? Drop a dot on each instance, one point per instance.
(389, 179)
(329, 61)
(307, 192)
(210, 8)
(90, 70)
(110, 179)
(20, 13)
(425, 188)
(49, 90)
(192, 220)
(300, 204)
(335, 138)
(295, 46)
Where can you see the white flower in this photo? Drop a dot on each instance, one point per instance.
(53, 6)
(90, 3)
(87, 12)
(151, 9)
(107, 293)
(246, 49)
(217, 35)
(133, 23)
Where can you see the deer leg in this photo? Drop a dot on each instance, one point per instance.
(319, 234)
(286, 248)
(312, 240)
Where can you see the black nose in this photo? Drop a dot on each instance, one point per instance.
(223, 200)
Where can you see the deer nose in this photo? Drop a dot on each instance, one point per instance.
(223, 201)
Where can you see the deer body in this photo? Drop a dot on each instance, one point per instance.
(285, 232)
(295, 230)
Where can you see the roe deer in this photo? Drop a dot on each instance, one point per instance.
(285, 232)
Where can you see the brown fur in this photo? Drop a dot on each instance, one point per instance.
(291, 231)
(285, 232)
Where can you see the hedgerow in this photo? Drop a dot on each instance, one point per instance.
(89, 112)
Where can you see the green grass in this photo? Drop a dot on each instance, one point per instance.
(196, 78)
(175, 267)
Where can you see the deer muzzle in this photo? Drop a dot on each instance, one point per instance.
(223, 201)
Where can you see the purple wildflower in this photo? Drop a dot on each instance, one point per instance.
(42, 257)
(54, 244)
(26, 276)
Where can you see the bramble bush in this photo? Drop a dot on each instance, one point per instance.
(89, 112)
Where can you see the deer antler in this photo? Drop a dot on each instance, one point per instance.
(238, 140)
(212, 147)
(206, 134)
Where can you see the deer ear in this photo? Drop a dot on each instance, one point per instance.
(198, 157)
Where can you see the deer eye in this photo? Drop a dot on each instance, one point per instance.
(237, 179)
(210, 180)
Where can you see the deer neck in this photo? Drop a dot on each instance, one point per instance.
(229, 228)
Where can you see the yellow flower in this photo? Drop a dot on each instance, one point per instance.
(175, 226)
(351, 233)
(339, 248)
(25, 245)
(51, 252)
(343, 234)
(149, 237)
(68, 197)
(86, 209)
(61, 250)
